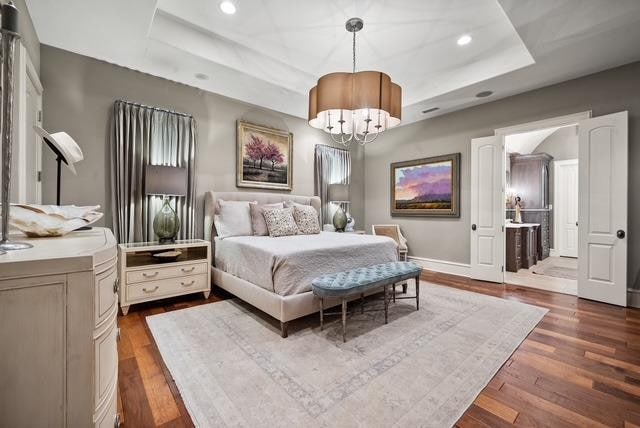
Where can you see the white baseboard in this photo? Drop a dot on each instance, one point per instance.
(554, 253)
(444, 266)
(633, 297)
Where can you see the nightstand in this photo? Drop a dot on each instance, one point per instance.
(146, 275)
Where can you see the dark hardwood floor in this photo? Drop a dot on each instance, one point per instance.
(579, 367)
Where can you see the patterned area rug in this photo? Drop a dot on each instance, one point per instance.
(559, 267)
(424, 368)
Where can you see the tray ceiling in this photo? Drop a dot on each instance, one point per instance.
(270, 53)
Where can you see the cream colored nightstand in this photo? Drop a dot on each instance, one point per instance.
(145, 275)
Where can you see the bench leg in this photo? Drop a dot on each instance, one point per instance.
(344, 320)
(404, 288)
(394, 293)
(284, 329)
(417, 293)
(321, 313)
(386, 304)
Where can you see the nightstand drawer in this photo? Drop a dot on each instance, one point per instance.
(169, 271)
(169, 286)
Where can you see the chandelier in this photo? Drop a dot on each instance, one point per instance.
(355, 106)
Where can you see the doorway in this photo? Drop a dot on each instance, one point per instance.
(499, 201)
(541, 208)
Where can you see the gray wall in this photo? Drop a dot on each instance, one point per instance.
(448, 239)
(78, 98)
(28, 33)
(562, 144)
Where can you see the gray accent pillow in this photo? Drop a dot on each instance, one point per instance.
(233, 219)
(280, 222)
(257, 218)
(306, 218)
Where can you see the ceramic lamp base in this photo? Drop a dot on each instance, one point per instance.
(166, 223)
(339, 220)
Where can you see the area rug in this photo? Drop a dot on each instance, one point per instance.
(558, 267)
(423, 368)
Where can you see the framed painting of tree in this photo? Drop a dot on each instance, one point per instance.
(264, 157)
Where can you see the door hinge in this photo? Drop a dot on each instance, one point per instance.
(39, 116)
(503, 228)
(501, 268)
(39, 176)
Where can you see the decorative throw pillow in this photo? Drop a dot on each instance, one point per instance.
(258, 224)
(306, 218)
(233, 219)
(280, 222)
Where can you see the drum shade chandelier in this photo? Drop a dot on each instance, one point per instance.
(355, 106)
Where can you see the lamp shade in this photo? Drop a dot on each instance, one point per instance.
(165, 180)
(339, 193)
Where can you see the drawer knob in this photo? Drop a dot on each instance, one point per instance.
(186, 270)
(151, 290)
(149, 275)
(188, 284)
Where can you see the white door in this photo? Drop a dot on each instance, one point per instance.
(487, 209)
(602, 255)
(566, 207)
(33, 146)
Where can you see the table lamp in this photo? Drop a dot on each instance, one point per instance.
(166, 181)
(339, 194)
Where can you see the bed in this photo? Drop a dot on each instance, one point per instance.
(275, 274)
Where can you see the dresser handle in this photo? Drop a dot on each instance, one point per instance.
(188, 284)
(116, 285)
(185, 270)
(149, 275)
(118, 334)
(116, 421)
(152, 290)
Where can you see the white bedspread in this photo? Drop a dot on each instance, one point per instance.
(287, 265)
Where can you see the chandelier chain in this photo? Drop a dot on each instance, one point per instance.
(354, 51)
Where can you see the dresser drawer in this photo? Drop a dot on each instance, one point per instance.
(106, 296)
(106, 363)
(162, 287)
(170, 271)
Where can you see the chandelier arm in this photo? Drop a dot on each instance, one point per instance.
(354, 51)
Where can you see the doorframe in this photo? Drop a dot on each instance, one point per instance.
(26, 71)
(555, 251)
(557, 121)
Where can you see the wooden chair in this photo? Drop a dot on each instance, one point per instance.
(393, 232)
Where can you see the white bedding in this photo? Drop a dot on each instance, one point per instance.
(287, 265)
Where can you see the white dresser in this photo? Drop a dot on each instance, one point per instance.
(58, 332)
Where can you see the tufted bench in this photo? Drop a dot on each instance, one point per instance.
(358, 281)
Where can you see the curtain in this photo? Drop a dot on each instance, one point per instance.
(332, 165)
(142, 136)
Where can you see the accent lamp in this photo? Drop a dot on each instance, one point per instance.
(339, 195)
(166, 181)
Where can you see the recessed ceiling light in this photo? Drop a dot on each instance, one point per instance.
(464, 40)
(484, 94)
(201, 76)
(430, 110)
(228, 7)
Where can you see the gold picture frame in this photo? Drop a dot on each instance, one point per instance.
(427, 187)
(264, 157)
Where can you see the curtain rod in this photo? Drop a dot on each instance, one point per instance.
(154, 108)
(332, 147)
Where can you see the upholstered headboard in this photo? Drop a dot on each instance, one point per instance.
(211, 198)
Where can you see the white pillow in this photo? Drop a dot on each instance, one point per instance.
(233, 219)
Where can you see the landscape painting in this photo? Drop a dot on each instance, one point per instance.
(264, 157)
(426, 187)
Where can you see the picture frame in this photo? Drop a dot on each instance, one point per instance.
(426, 187)
(264, 158)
